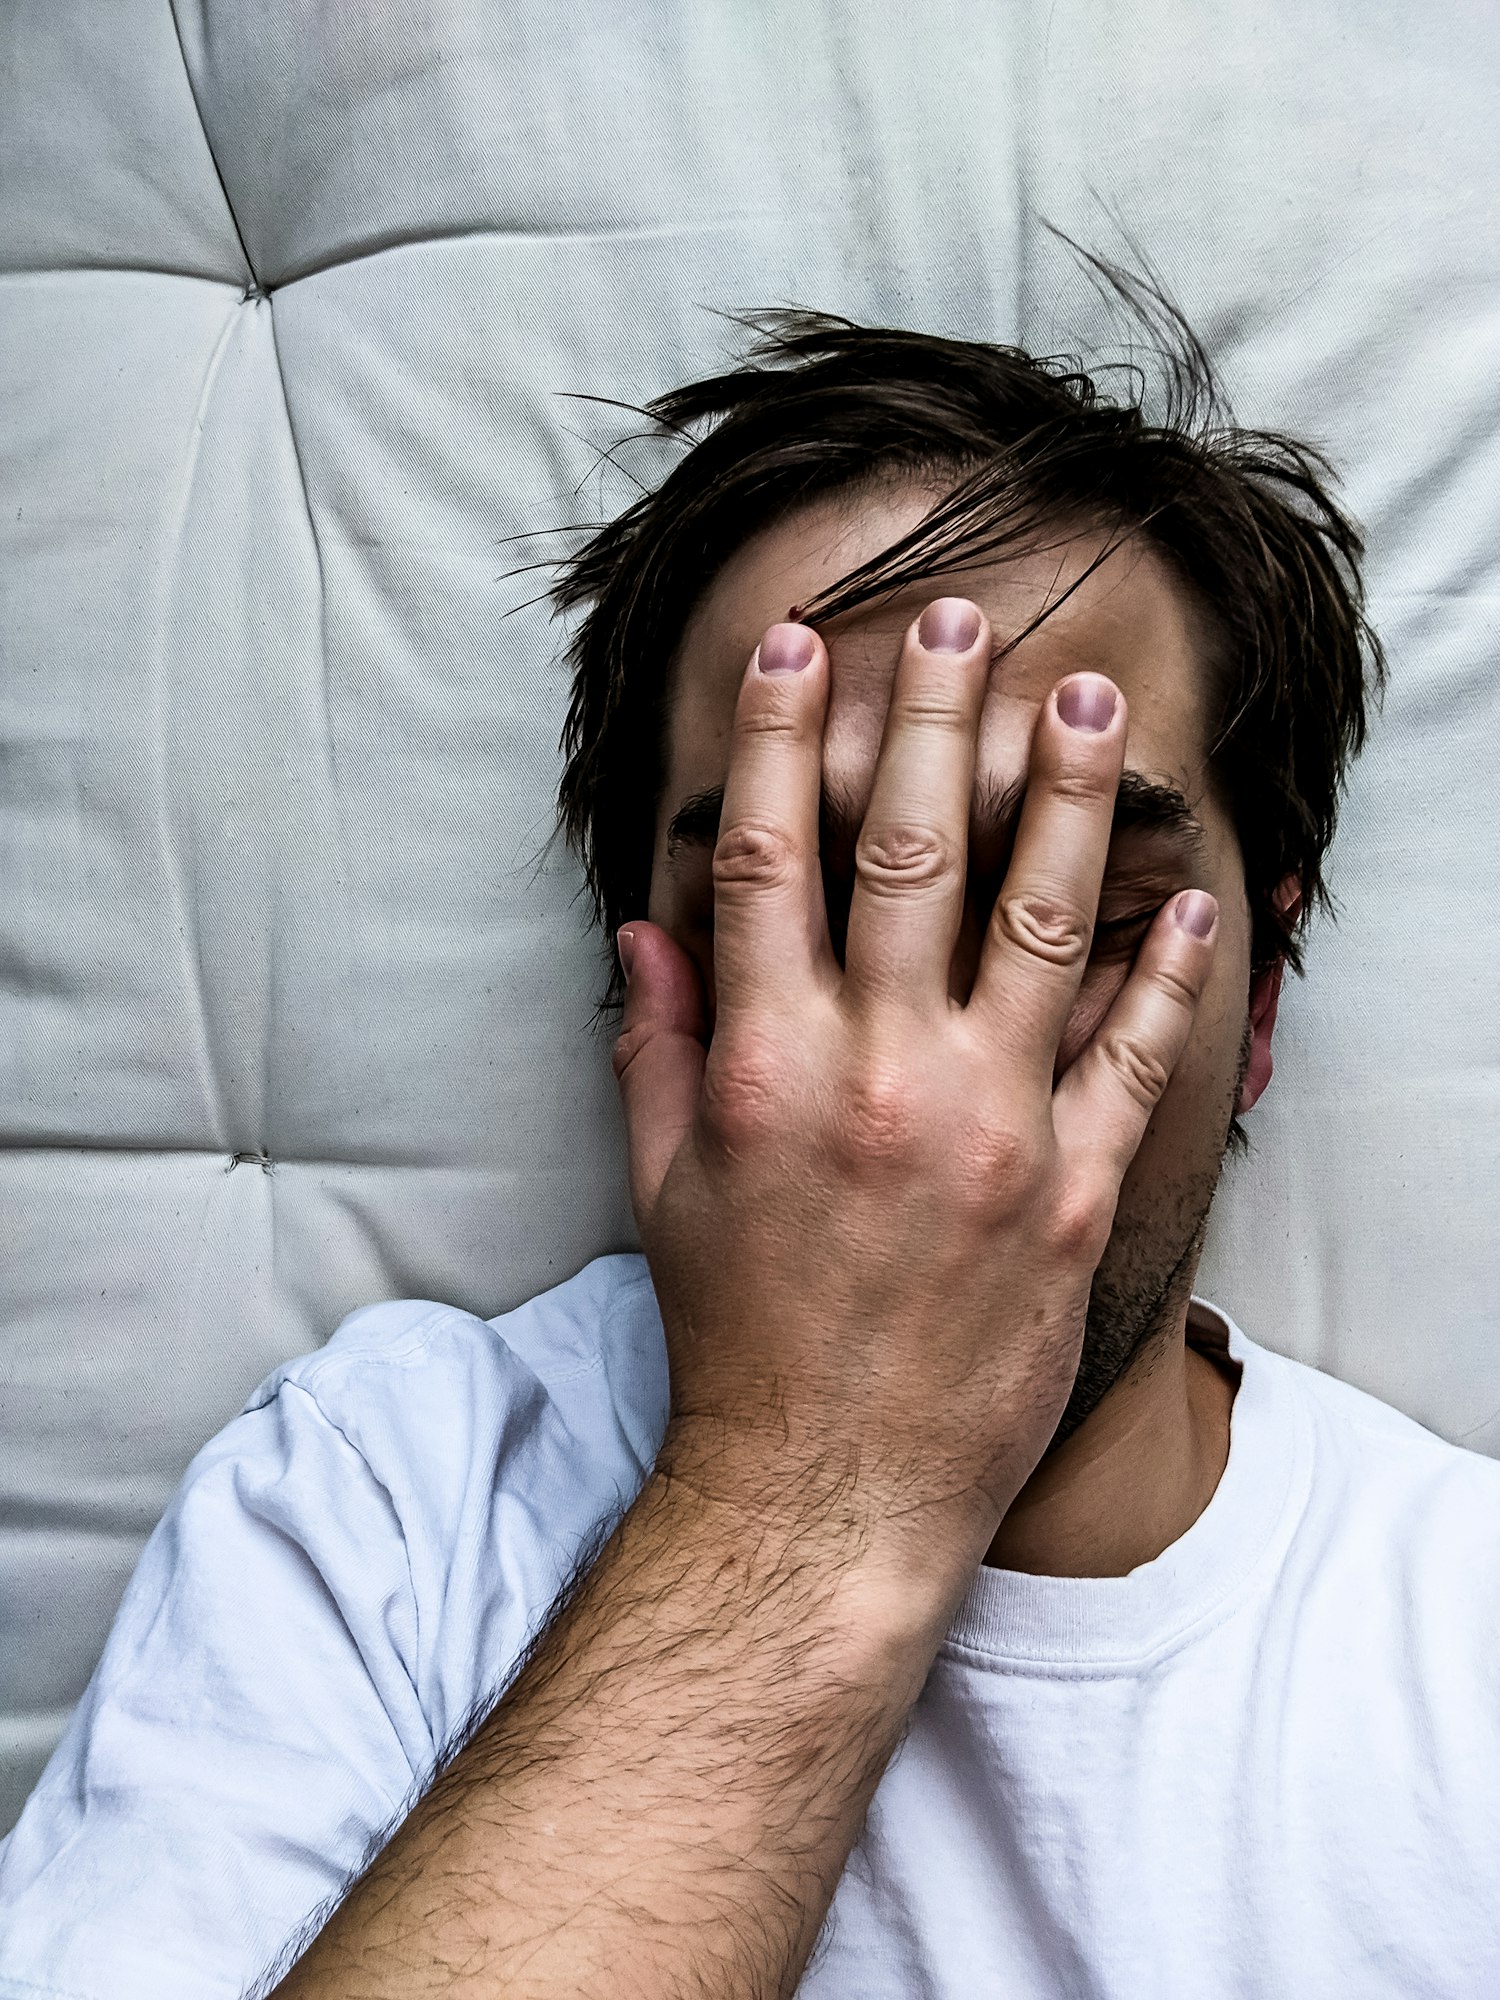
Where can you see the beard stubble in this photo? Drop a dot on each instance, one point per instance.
(1142, 1284)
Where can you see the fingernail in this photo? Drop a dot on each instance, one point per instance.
(1088, 702)
(949, 625)
(786, 649)
(1196, 912)
(625, 946)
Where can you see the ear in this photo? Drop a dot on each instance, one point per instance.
(1265, 992)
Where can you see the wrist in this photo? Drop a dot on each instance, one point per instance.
(890, 1575)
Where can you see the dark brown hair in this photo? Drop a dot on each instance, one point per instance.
(1025, 446)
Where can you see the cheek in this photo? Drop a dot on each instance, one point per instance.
(1100, 989)
(1203, 1070)
(1103, 982)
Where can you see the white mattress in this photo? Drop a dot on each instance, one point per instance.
(293, 1010)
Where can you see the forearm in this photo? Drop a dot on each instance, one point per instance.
(664, 1801)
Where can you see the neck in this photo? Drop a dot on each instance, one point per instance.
(1133, 1477)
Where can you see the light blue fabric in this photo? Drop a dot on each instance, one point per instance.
(349, 1566)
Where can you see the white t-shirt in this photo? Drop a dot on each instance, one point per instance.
(1265, 1765)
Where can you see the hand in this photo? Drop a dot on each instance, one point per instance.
(871, 1221)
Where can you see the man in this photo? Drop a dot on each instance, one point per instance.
(897, 1582)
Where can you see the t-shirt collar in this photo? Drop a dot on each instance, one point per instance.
(1013, 1621)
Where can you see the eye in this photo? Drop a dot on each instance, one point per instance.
(1117, 929)
(1120, 927)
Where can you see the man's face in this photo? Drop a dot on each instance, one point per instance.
(1129, 620)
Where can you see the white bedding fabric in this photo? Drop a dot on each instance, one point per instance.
(292, 1006)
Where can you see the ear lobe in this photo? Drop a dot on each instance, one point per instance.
(1265, 992)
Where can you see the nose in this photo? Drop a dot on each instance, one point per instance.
(968, 946)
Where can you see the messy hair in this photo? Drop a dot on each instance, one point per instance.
(1023, 448)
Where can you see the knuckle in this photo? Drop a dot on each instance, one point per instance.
(1178, 986)
(1084, 783)
(770, 715)
(993, 1164)
(628, 1045)
(1141, 1068)
(904, 856)
(1046, 927)
(879, 1119)
(1080, 1223)
(934, 707)
(744, 1091)
(750, 855)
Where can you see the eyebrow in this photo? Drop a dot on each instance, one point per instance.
(1142, 804)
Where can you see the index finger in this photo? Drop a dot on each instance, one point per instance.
(770, 921)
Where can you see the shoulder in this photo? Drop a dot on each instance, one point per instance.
(1350, 1427)
(348, 1572)
(505, 1448)
(398, 1376)
(562, 1327)
(1371, 1434)
(1411, 1518)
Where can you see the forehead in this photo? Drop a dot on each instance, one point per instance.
(1130, 619)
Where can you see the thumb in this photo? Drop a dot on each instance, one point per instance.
(659, 1056)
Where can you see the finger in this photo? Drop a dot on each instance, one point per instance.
(1104, 1101)
(659, 1056)
(770, 921)
(910, 859)
(1037, 941)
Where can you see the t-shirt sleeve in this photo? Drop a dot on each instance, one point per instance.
(252, 1727)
